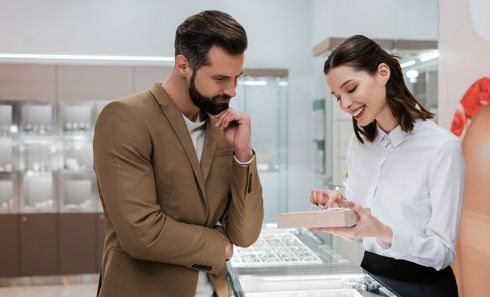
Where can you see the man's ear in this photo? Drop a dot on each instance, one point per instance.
(384, 72)
(182, 66)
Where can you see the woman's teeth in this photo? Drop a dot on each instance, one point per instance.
(359, 110)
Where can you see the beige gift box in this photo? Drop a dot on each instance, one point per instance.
(339, 217)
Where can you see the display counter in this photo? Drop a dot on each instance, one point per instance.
(296, 262)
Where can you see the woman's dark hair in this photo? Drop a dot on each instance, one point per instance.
(363, 54)
(199, 32)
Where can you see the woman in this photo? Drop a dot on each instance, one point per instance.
(405, 168)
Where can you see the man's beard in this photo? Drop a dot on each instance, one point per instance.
(207, 104)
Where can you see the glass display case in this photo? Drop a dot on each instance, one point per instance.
(77, 193)
(266, 99)
(8, 138)
(46, 156)
(7, 151)
(37, 193)
(6, 113)
(318, 136)
(296, 262)
(39, 155)
(37, 119)
(76, 118)
(8, 192)
(77, 155)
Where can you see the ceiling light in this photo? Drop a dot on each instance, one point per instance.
(82, 58)
(253, 82)
(412, 73)
(408, 63)
(429, 56)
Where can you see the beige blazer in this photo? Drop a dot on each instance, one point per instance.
(161, 204)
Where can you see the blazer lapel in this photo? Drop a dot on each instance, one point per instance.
(174, 116)
(209, 147)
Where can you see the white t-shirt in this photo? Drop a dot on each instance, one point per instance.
(197, 130)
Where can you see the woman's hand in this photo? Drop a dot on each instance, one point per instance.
(327, 198)
(367, 226)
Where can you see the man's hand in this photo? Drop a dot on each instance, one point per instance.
(237, 128)
(228, 244)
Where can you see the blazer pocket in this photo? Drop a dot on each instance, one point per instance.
(223, 153)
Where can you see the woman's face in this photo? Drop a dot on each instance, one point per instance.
(359, 93)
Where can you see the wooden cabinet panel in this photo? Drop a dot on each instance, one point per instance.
(146, 76)
(77, 243)
(27, 82)
(100, 223)
(38, 244)
(88, 82)
(9, 246)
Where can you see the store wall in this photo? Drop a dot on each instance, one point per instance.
(464, 46)
(398, 19)
(278, 33)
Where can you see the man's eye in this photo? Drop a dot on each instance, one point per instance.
(352, 90)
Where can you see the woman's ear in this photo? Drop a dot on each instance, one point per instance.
(384, 72)
(182, 66)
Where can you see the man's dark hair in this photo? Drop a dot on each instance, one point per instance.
(199, 32)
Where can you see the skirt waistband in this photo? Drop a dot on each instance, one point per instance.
(403, 270)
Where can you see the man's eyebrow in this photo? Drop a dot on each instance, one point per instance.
(226, 76)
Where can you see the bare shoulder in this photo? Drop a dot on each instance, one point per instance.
(479, 127)
(476, 143)
(483, 116)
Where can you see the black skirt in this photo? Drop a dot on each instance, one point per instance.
(409, 279)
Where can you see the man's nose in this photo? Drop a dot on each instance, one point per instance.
(230, 89)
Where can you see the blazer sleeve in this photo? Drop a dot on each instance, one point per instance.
(243, 218)
(122, 162)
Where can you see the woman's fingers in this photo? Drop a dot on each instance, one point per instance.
(327, 198)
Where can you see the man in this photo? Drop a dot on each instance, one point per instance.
(176, 172)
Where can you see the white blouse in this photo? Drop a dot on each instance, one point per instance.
(413, 182)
